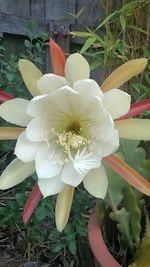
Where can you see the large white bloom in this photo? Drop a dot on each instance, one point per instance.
(69, 129)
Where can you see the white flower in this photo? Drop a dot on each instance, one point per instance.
(69, 129)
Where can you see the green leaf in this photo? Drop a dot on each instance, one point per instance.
(87, 44)
(56, 248)
(82, 34)
(115, 188)
(108, 18)
(72, 247)
(123, 22)
(21, 199)
(27, 43)
(95, 64)
(133, 154)
(41, 212)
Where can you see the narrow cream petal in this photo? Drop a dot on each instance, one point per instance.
(49, 187)
(96, 183)
(124, 73)
(88, 86)
(26, 150)
(70, 175)
(48, 83)
(76, 68)
(116, 102)
(47, 165)
(10, 133)
(30, 74)
(135, 129)
(63, 207)
(14, 111)
(15, 173)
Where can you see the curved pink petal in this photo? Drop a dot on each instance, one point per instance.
(128, 173)
(32, 202)
(5, 96)
(97, 244)
(136, 109)
(57, 58)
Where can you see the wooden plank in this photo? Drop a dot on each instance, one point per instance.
(92, 12)
(15, 25)
(58, 10)
(15, 7)
(37, 9)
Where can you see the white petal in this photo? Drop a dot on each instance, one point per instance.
(38, 105)
(36, 130)
(96, 183)
(97, 122)
(48, 83)
(47, 164)
(70, 175)
(76, 68)
(15, 173)
(14, 111)
(26, 150)
(111, 144)
(51, 186)
(116, 102)
(88, 86)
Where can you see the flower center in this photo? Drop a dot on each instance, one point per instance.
(74, 127)
(71, 140)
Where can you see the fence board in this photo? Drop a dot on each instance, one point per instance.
(55, 17)
(92, 12)
(59, 10)
(37, 9)
(15, 7)
(15, 25)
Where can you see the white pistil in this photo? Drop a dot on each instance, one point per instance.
(83, 161)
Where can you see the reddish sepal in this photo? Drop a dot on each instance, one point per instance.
(97, 244)
(32, 202)
(137, 108)
(128, 173)
(57, 58)
(5, 96)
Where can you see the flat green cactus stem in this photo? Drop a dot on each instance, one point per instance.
(131, 204)
(142, 255)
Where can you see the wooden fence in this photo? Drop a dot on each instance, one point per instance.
(56, 17)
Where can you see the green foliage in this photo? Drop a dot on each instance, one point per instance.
(34, 48)
(121, 36)
(124, 201)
